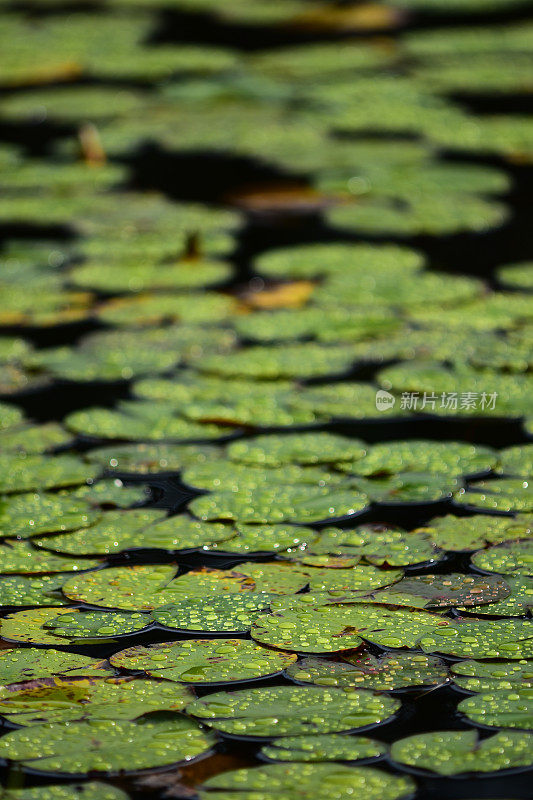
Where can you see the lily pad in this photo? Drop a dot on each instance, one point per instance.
(454, 589)
(334, 628)
(263, 539)
(458, 752)
(225, 613)
(518, 276)
(22, 590)
(501, 709)
(469, 533)
(31, 663)
(508, 639)
(298, 503)
(297, 448)
(510, 558)
(106, 746)
(517, 604)
(516, 460)
(112, 493)
(361, 577)
(506, 494)
(325, 747)
(290, 710)
(114, 532)
(87, 791)
(204, 661)
(20, 557)
(131, 588)
(61, 699)
(34, 439)
(445, 458)
(150, 458)
(222, 475)
(364, 671)
(96, 625)
(278, 780)
(377, 544)
(479, 676)
(21, 473)
(29, 627)
(26, 515)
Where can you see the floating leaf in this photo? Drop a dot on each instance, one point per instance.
(21, 473)
(22, 590)
(130, 588)
(517, 460)
(360, 577)
(26, 515)
(510, 639)
(479, 676)
(454, 589)
(228, 476)
(377, 544)
(148, 458)
(502, 708)
(506, 494)
(96, 624)
(87, 791)
(516, 604)
(112, 493)
(333, 628)
(31, 663)
(19, 556)
(457, 752)
(263, 539)
(298, 503)
(227, 613)
(60, 699)
(445, 458)
(290, 710)
(469, 533)
(203, 661)
(30, 627)
(510, 558)
(516, 275)
(388, 672)
(326, 747)
(291, 781)
(297, 448)
(106, 746)
(34, 439)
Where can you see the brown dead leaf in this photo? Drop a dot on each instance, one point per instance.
(273, 198)
(283, 295)
(361, 17)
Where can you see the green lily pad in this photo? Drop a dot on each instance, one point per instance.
(34, 439)
(135, 423)
(31, 663)
(112, 493)
(516, 460)
(26, 515)
(106, 746)
(360, 577)
(96, 624)
(152, 309)
(114, 532)
(325, 747)
(291, 710)
(506, 494)
(333, 628)
(479, 676)
(502, 708)
(445, 458)
(510, 558)
(509, 639)
(407, 487)
(21, 473)
(224, 613)
(457, 752)
(62, 699)
(518, 276)
(297, 448)
(20, 557)
(305, 360)
(87, 791)
(377, 544)
(278, 780)
(298, 503)
(23, 590)
(353, 400)
(150, 458)
(263, 539)
(131, 588)
(318, 260)
(454, 589)
(28, 627)
(222, 475)
(469, 533)
(204, 661)
(10, 416)
(364, 671)
(517, 604)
